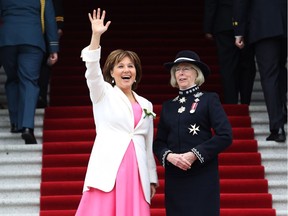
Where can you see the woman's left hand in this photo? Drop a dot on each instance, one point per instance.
(153, 189)
(190, 156)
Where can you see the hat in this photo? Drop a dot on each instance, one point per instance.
(190, 57)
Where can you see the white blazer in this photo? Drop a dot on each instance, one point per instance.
(114, 120)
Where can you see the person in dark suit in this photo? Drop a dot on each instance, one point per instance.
(46, 67)
(22, 47)
(263, 23)
(237, 66)
(185, 143)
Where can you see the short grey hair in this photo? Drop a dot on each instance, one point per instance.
(200, 79)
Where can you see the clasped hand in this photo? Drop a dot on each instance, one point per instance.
(183, 161)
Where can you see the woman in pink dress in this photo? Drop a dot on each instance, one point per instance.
(121, 177)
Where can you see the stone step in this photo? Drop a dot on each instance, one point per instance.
(280, 202)
(267, 147)
(19, 191)
(277, 186)
(4, 113)
(281, 212)
(28, 162)
(279, 161)
(20, 214)
(20, 149)
(257, 96)
(274, 158)
(24, 176)
(5, 121)
(275, 173)
(20, 206)
(15, 139)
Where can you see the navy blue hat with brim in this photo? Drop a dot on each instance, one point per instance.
(190, 57)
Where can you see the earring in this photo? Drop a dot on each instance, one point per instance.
(113, 81)
(135, 81)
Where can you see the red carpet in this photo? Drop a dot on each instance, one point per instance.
(156, 30)
(68, 138)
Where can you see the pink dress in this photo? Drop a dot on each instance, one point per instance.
(127, 197)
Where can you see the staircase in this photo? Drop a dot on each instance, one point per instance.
(22, 168)
(20, 165)
(274, 155)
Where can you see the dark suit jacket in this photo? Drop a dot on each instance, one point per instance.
(217, 16)
(21, 24)
(261, 18)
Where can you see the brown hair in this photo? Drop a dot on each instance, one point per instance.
(114, 58)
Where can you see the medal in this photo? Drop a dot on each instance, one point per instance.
(181, 109)
(196, 100)
(193, 107)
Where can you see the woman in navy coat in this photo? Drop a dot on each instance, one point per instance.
(192, 131)
(22, 46)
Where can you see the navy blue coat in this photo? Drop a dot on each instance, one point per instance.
(20, 27)
(195, 191)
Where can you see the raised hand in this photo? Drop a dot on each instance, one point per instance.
(97, 21)
(98, 27)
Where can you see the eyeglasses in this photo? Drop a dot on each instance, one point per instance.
(184, 69)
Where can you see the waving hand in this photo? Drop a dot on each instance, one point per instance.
(97, 26)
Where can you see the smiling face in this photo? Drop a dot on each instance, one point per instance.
(185, 75)
(124, 74)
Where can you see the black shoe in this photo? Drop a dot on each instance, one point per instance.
(278, 136)
(28, 136)
(14, 128)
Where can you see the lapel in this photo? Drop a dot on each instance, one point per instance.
(141, 102)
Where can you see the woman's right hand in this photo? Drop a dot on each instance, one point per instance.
(97, 21)
(179, 161)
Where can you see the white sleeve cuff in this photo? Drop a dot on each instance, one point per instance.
(90, 55)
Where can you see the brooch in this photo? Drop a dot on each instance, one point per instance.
(181, 109)
(182, 100)
(148, 113)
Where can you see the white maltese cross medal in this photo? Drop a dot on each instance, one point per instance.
(193, 129)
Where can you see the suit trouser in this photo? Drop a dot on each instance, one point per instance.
(237, 68)
(268, 56)
(22, 66)
(44, 79)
